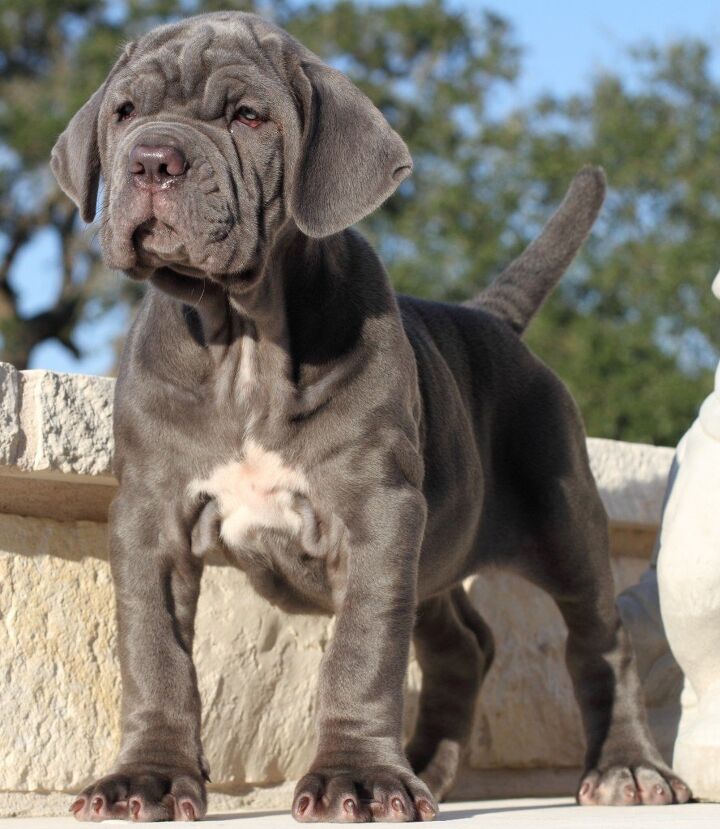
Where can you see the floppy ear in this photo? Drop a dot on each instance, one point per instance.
(347, 160)
(75, 158)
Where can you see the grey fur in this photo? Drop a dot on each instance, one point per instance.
(404, 443)
(516, 296)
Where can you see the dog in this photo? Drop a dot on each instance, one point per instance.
(357, 453)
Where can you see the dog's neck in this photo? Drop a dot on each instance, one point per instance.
(303, 315)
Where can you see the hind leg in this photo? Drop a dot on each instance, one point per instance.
(622, 765)
(454, 648)
(571, 561)
(562, 546)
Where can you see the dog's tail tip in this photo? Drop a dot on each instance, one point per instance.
(591, 182)
(517, 294)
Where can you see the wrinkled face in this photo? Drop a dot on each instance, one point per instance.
(213, 133)
(191, 146)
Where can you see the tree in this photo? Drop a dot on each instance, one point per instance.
(52, 56)
(635, 331)
(410, 57)
(630, 328)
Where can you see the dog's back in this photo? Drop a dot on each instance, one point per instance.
(485, 395)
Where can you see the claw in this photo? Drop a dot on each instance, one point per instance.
(77, 805)
(350, 807)
(630, 793)
(425, 809)
(681, 791)
(661, 795)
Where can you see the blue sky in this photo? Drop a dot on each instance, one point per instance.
(565, 43)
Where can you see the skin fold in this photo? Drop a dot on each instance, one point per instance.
(355, 452)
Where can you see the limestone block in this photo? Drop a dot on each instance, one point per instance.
(59, 699)
(631, 478)
(56, 444)
(258, 671)
(257, 666)
(67, 421)
(52, 422)
(9, 413)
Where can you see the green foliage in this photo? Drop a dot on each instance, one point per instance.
(644, 290)
(631, 329)
(432, 71)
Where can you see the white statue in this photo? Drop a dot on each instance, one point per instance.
(688, 573)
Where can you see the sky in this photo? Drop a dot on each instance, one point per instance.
(565, 43)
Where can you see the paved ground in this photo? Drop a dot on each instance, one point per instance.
(490, 814)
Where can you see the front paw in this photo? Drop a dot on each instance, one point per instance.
(143, 794)
(362, 794)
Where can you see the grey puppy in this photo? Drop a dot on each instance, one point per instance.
(355, 452)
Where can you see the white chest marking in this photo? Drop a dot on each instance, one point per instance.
(248, 365)
(257, 492)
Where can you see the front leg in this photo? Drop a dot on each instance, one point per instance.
(360, 772)
(160, 772)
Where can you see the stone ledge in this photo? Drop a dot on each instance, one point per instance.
(56, 423)
(56, 444)
(631, 478)
(56, 449)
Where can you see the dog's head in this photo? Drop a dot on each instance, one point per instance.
(212, 133)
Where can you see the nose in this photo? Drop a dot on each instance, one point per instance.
(156, 166)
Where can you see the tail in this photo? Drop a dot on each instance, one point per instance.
(517, 294)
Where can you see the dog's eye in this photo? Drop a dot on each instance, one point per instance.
(125, 111)
(248, 116)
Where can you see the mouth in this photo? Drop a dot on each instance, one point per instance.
(159, 260)
(158, 245)
(155, 247)
(156, 242)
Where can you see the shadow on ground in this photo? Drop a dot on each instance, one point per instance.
(458, 814)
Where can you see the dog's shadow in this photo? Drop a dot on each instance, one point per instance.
(241, 815)
(481, 811)
(458, 814)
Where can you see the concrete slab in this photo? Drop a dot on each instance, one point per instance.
(559, 813)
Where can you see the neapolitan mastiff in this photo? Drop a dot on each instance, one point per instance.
(355, 452)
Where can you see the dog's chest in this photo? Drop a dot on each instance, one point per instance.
(270, 524)
(256, 492)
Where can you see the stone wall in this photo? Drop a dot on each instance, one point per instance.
(257, 666)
